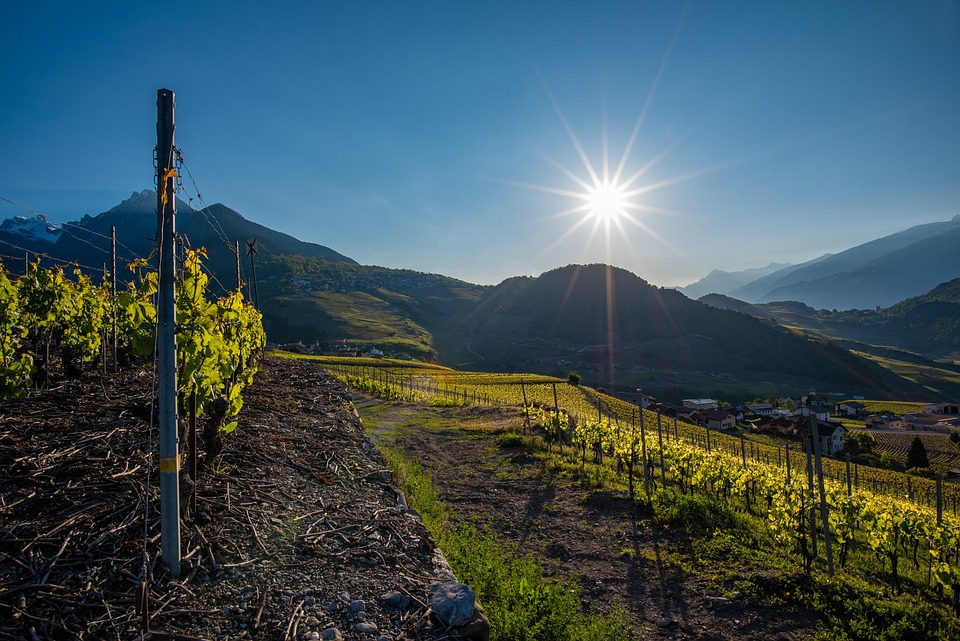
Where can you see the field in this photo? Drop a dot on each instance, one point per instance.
(440, 386)
(875, 516)
(943, 453)
(932, 377)
(890, 407)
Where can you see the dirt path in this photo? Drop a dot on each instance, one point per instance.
(588, 535)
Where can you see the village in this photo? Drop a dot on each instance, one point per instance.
(870, 432)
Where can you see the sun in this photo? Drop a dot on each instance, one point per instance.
(607, 202)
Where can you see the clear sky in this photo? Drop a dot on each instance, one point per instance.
(399, 133)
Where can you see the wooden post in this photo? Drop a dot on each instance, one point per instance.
(743, 451)
(807, 447)
(526, 410)
(556, 412)
(166, 338)
(824, 514)
(663, 473)
(849, 479)
(643, 449)
(940, 498)
(786, 453)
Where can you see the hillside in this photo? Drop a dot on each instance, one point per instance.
(918, 338)
(397, 309)
(562, 320)
(878, 272)
(928, 324)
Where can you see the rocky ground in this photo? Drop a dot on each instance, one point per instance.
(298, 532)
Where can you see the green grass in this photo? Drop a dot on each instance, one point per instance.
(520, 601)
(510, 439)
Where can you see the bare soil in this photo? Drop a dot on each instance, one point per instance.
(298, 528)
(591, 536)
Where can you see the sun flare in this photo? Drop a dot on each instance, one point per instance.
(607, 202)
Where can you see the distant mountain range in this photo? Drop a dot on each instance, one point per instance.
(878, 273)
(606, 322)
(721, 282)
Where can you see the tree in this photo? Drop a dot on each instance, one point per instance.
(917, 456)
(573, 378)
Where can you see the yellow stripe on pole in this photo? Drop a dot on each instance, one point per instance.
(171, 464)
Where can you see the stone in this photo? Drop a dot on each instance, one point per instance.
(477, 630)
(356, 607)
(331, 634)
(452, 603)
(313, 636)
(366, 628)
(312, 621)
(665, 622)
(394, 599)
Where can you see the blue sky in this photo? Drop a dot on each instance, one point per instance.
(397, 133)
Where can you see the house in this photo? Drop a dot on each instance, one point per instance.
(932, 422)
(715, 419)
(851, 409)
(761, 409)
(700, 403)
(636, 398)
(813, 407)
(777, 425)
(945, 409)
(831, 436)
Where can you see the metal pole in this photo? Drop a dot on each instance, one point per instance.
(236, 250)
(166, 338)
(113, 273)
(251, 252)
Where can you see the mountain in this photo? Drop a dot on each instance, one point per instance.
(215, 228)
(927, 325)
(721, 282)
(562, 319)
(307, 292)
(879, 272)
(20, 233)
